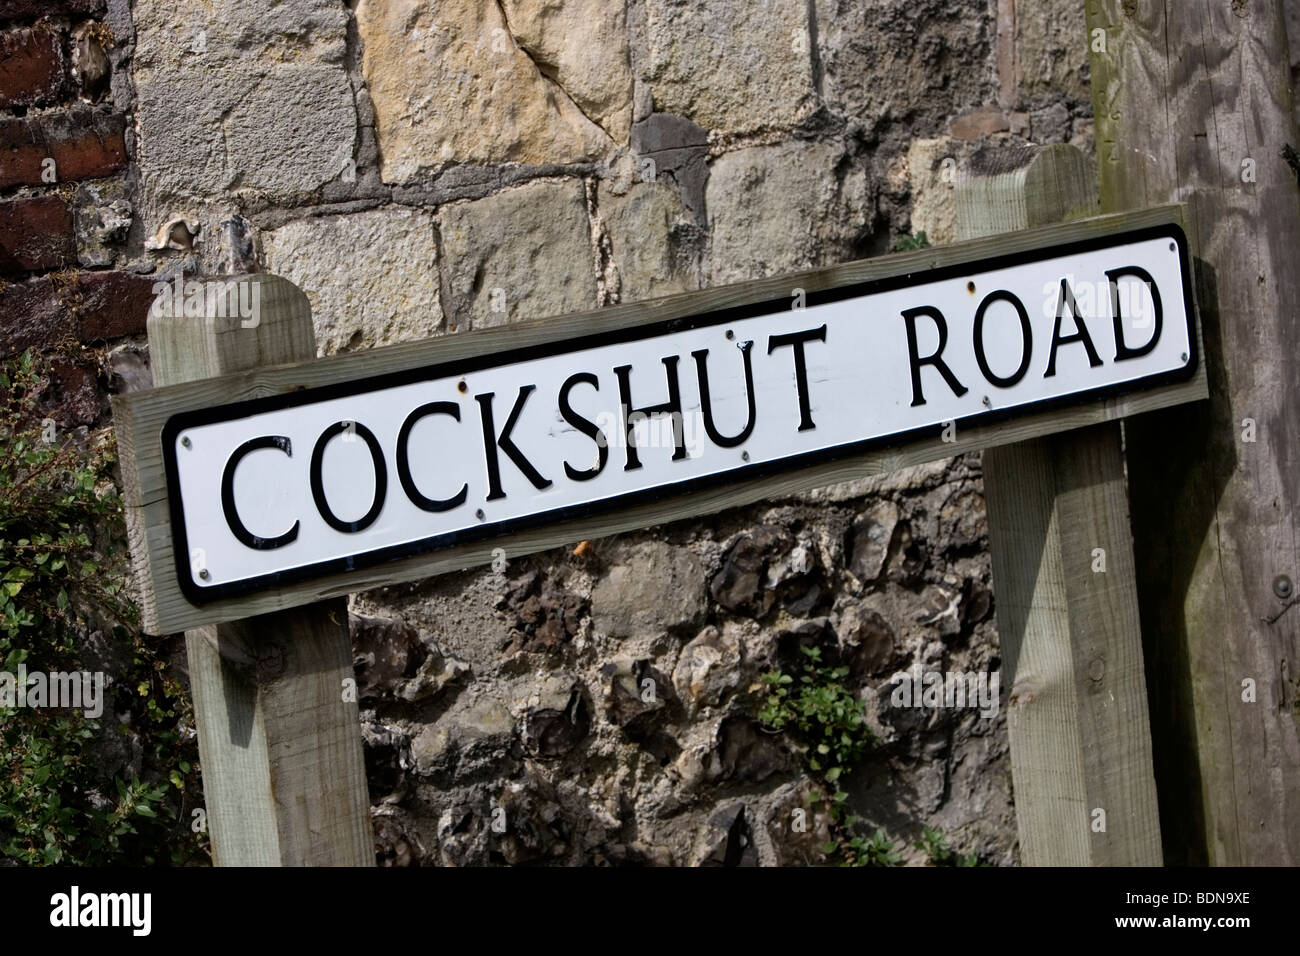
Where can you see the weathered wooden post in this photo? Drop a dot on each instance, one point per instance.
(1063, 579)
(1194, 103)
(283, 772)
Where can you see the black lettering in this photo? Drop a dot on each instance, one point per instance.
(590, 429)
(671, 407)
(797, 341)
(1067, 299)
(237, 527)
(1122, 350)
(935, 358)
(318, 483)
(491, 443)
(706, 401)
(1026, 338)
(404, 459)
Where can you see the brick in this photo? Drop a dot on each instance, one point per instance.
(90, 306)
(31, 67)
(73, 396)
(36, 234)
(21, 9)
(84, 144)
(979, 122)
(32, 317)
(113, 304)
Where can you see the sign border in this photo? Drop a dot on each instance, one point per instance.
(199, 596)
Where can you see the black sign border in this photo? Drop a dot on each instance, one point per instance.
(200, 596)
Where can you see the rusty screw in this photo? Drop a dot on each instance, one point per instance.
(1283, 587)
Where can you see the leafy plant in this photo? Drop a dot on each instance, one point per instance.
(817, 708)
(909, 243)
(62, 579)
(825, 713)
(935, 846)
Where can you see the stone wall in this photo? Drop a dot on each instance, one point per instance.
(426, 167)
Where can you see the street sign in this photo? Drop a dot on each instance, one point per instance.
(356, 473)
(282, 485)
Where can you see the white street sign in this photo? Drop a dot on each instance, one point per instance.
(345, 476)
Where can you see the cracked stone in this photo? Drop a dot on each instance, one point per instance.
(941, 609)
(744, 753)
(798, 827)
(673, 150)
(581, 45)
(866, 641)
(653, 587)
(450, 83)
(392, 662)
(729, 839)
(921, 62)
(731, 67)
(872, 535)
(552, 731)
(1052, 50)
(740, 586)
(383, 290)
(471, 735)
(781, 208)
(498, 272)
(534, 821)
(637, 697)
(242, 99)
(654, 240)
(708, 669)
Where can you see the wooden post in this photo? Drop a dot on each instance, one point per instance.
(1071, 648)
(1193, 102)
(279, 739)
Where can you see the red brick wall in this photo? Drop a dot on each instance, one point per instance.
(59, 131)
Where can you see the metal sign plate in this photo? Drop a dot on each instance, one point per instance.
(350, 475)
